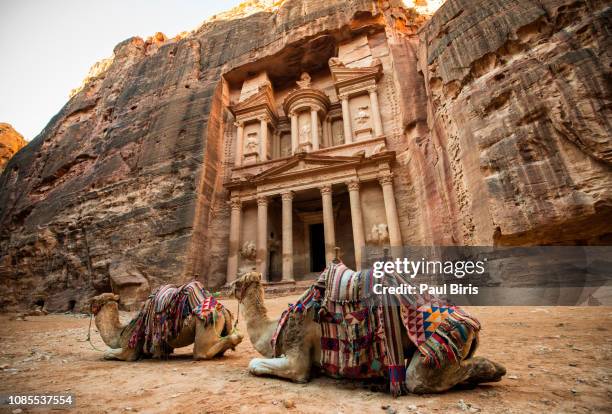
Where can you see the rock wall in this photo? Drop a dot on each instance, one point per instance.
(519, 119)
(504, 138)
(11, 141)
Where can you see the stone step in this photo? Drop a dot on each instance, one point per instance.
(275, 289)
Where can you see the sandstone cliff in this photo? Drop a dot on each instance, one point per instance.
(11, 141)
(518, 149)
(505, 138)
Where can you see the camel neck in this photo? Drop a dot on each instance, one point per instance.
(107, 322)
(255, 312)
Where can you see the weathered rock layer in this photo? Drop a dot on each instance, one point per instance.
(11, 141)
(518, 150)
(505, 138)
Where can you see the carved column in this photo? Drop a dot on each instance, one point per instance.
(395, 237)
(328, 131)
(234, 239)
(262, 237)
(294, 132)
(287, 235)
(346, 120)
(263, 139)
(378, 130)
(357, 221)
(328, 222)
(314, 129)
(239, 143)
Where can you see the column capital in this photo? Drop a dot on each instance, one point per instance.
(372, 89)
(287, 195)
(264, 118)
(386, 179)
(326, 189)
(343, 96)
(292, 113)
(235, 203)
(262, 200)
(239, 124)
(353, 185)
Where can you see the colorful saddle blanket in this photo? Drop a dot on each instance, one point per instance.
(163, 314)
(362, 331)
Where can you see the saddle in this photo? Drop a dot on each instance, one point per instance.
(163, 314)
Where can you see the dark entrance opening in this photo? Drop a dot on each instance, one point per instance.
(271, 274)
(317, 248)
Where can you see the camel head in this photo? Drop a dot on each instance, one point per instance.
(239, 286)
(98, 302)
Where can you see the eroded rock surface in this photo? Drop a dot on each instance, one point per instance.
(519, 150)
(11, 141)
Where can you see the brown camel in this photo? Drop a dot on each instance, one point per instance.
(206, 337)
(300, 348)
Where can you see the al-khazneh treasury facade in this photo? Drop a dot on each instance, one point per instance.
(312, 166)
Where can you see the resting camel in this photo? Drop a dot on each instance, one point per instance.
(300, 348)
(206, 337)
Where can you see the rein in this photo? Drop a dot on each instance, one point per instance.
(242, 292)
(88, 339)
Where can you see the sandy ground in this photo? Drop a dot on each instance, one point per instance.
(558, 360)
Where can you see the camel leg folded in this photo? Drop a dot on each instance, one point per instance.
(483, 370)
(424, 379)
(207, 343)
(122, 354)
(295, 369)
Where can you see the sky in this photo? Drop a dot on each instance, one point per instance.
(48, 46)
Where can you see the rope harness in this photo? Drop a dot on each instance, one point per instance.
(88, 339)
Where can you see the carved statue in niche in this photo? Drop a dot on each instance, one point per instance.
(379, 234)
(285, 146)
(337, 133)
(305, 134)
(252, 143)
(304, 81)
(362, 116)
(249, 250)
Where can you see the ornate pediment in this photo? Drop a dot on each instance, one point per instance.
(260, 102)
(304, 163)
(343, 75)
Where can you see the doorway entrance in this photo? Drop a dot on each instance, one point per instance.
(317, 247)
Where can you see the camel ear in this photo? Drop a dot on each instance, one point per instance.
(116, 298)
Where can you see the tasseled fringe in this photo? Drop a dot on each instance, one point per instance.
(397, 380)
(447, 342)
